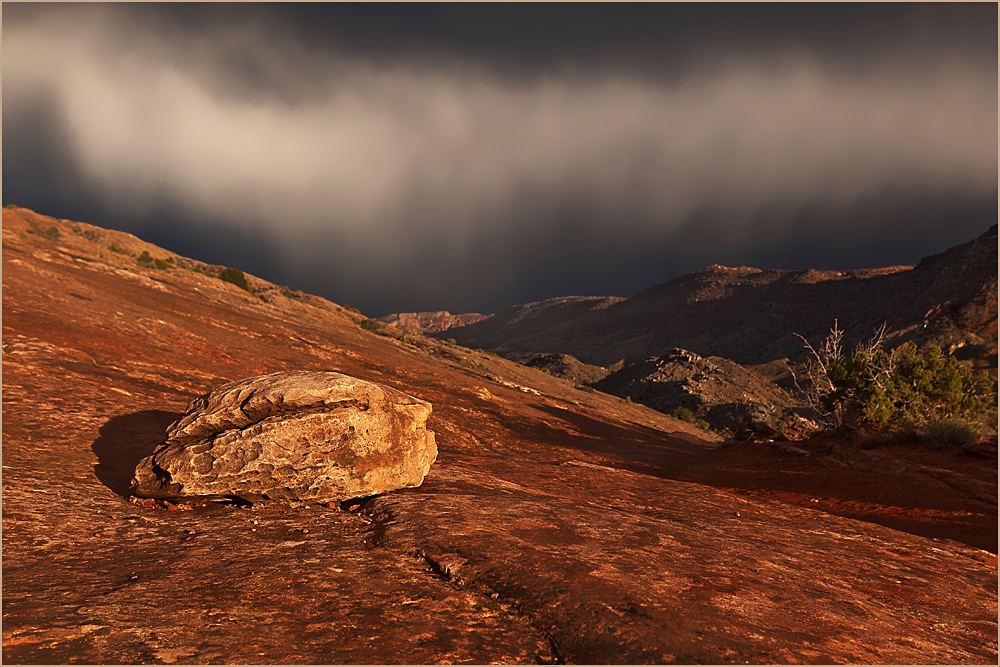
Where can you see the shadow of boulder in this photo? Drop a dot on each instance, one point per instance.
(124, 441)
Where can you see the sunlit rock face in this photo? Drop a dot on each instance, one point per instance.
(292, 437)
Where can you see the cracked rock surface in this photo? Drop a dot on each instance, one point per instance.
(294, 436)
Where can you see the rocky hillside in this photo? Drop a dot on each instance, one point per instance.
(723, 393)
(750, 316)
(431, 322)
(564, 366)
(556, 525)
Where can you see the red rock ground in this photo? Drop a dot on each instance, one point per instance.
(556, 525)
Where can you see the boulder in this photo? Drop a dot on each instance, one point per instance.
(294, 437)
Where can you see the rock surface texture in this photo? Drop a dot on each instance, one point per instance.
(292, 436)
(556, 526)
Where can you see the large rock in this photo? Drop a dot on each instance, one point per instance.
(293, 437)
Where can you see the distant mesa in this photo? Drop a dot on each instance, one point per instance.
(293, 437)
(431, 322)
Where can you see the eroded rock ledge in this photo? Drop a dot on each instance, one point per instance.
(295, 437)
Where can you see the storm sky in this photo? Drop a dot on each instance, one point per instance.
(469, 157)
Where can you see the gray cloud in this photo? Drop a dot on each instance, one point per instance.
(377, 157)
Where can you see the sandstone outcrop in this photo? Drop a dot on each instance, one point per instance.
(722, 392)
(563, 366)
(294, 436)
(433, 321)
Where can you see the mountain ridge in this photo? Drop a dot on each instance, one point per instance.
(750, 315)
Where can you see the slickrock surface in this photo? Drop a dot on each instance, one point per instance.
(293, 436)
(557, 526)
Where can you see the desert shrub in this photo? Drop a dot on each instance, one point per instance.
(908, 385)
(10, 205)
(167, 263)
(703, 425)
(144, 259)
(951, 432)
(52, 233)
(585, 387)
(372, 325)
(682, 413)
(236, 277)
(481, 367)
(777, 423)
(114, 247)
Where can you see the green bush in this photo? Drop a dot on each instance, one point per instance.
(923, 385)
(703, 425)
(586, 388)
(10, 205)
(682, 413)
(950, 433)
(372, 325)
(236, 277)
(114, 247)
(167, 263)
(907, 386)
(52, 233)
(777, 423)
(144, 259)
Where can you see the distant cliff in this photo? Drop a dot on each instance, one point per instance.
(431, 322)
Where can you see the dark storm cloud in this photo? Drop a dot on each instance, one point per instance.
(465, 157)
